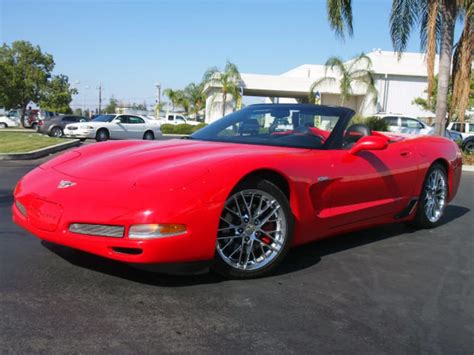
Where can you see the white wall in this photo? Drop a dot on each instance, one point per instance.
(401, 91)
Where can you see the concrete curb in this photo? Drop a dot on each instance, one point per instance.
(468, 168)
(39, 153)
(174, 135)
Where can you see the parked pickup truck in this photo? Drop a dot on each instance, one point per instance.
(466, 129)
(174, 118)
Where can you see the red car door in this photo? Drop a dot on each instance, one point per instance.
(370, 184)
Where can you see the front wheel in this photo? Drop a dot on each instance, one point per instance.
(433, 198)
(3, 125)
(255, 231)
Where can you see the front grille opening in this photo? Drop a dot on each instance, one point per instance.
(131, 251)
(100, 230)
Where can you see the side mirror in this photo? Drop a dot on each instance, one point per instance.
(369, 143)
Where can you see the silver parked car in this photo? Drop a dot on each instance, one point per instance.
(115, 126)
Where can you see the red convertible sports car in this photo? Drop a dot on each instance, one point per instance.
(237, 194)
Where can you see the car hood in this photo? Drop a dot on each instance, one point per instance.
(172, 162)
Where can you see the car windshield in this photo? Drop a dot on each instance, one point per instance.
(104, 118)
(286, 125)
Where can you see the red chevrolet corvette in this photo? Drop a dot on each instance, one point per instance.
(237, 194)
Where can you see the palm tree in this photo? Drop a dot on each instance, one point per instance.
(229, 81)
(437, 21)
(195, 95)
(177, 98)
(356, 71)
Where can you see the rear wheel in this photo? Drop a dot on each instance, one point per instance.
(433, 198)
(469, 146)
(3, 125)
(56, 132)
(255, 231)
(102, 135)
(149, 136)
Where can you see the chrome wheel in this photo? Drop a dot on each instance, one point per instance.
(435, 195)
(252, 230)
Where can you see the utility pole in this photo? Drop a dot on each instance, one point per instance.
(100, 98)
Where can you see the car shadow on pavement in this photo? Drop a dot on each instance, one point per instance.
(299, 258)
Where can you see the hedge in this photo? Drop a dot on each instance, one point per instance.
(374, 123)
(180, 128)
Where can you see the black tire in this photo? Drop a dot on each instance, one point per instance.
(102, 135)
(82, 139)
(56, 132)
(3, 125)
(468, 145)
(224, 268)
(149, 136)
(422, 220)
(34, 125)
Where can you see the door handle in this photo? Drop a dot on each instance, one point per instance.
(405, 153)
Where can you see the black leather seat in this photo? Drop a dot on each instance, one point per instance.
(354, 133)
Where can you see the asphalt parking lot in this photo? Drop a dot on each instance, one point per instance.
(385, 290)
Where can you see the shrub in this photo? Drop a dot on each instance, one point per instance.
(180, 128)
(374, 123)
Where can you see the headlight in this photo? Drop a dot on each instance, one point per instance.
(150, 231)
(85, 127)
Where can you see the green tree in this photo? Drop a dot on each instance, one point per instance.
(406, 14)
(176, 97)
(430, 105)
(195, 95)
(58, 95)
(355, 72)
(111, 106)
(24, 74)
(229, 81)
(436, 19)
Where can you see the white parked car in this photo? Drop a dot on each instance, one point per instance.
(175, 119)
(404, 124)
(9, 121)
(105, 127)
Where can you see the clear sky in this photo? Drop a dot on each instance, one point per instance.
(130, 45)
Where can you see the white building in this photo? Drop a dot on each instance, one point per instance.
(398, 82)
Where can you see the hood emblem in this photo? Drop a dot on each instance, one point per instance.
(64, 184)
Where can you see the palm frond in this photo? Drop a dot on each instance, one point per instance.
(340, 16)
(316, 84)
(335, 62)
(403, 17)
(359, 59)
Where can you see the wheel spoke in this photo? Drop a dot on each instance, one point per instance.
(246, 206)
(233, 212)
(227, 228)
(265, 220)
(230, 237)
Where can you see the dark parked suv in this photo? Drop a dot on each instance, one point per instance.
(55, 125)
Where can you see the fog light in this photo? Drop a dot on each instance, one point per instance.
(149, 231)
(20, 207)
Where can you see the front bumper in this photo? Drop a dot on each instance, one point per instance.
(79, 133)
(49, 215)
